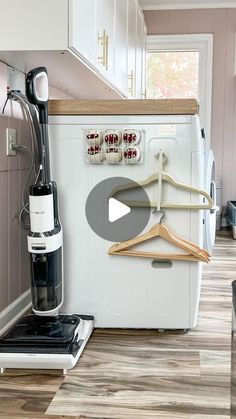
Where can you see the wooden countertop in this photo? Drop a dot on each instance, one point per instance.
(124, 107)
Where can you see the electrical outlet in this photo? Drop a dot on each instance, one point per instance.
(16, 79)
(10, 140)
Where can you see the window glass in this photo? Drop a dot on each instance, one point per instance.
(172, 74)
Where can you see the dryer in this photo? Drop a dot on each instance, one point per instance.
(129, 292)
(210, 216)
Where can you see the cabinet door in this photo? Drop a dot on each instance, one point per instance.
(82, 28)
(143, 87)
(120, 64)
(139, 56)
(105, 37)
(132, 34)
(28, 25)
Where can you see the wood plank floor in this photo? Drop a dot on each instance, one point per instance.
(142, 374)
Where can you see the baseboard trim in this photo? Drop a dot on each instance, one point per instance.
(14, 311)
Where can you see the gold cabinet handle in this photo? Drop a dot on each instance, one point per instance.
(131, 79)
(102, 43)
(106, 50)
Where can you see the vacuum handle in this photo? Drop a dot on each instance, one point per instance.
(37, 91)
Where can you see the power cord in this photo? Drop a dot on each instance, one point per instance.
(25, 205)
(4, 106)
(18, 147)
(31, 116)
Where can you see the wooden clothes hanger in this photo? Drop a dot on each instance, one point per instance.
(193, 245)
(195, 253)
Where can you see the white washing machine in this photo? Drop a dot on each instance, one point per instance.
(126, 292)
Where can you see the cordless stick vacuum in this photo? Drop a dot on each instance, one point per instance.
(44, 339)
(45, 237)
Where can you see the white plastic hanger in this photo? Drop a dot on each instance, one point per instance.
(169, 179)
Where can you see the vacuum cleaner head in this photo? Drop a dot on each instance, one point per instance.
(45, 342)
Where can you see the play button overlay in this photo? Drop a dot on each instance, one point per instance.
(113, 209)
(117, 210)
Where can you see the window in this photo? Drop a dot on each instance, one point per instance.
(172, 74)
(180, 66)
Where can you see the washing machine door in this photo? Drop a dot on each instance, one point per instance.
(210, 215)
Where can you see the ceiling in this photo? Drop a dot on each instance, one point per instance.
(185, 4)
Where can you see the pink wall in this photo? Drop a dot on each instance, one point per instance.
(222, 23)
(14, 258)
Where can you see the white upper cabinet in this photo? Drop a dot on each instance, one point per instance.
(121, 44)
(139, 56)
(105, 37)
(91, 48)
(82, 29)
(143, 88)
(30, 25)
(131, 52)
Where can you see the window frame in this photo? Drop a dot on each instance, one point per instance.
(202, 43)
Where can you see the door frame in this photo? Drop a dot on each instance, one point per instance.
(203, 43)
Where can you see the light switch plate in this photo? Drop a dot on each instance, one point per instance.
(10, 140)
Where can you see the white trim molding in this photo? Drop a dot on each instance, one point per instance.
(186, 4)
(14, 311)
(203, 43)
